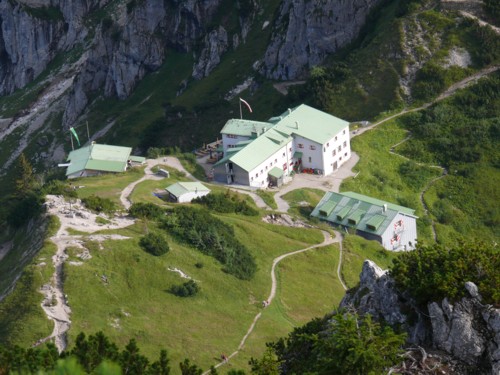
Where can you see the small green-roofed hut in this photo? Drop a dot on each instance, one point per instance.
(276, 176)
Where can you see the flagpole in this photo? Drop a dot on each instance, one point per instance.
(71, 137)
(88, 134)
(241, 113)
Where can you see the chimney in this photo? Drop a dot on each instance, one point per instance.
(384, 209)
(297, 124)
(289, 111)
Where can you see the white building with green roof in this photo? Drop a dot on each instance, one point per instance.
(95, 159)
(184, 192)
(393, 226)
(302, 137)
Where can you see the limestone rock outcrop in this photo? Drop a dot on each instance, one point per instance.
(305, 32)
(468, 330)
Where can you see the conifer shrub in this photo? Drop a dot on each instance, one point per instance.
(211, 236)
(226, 203)
(431, 273)
(146, 210)
(98, 204)
(188, 289)
(154, 243)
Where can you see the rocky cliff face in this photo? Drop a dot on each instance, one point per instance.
(305, 32)
(120, 41)
(467, 330)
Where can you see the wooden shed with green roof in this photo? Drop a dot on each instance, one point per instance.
(392, 225)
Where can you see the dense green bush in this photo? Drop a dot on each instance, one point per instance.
(213, 237)
(146, 210)
(188, 289)
(99, 204)
(340, 344)
(58, 187)
(431, 273)
(154, 243)
(226, 203)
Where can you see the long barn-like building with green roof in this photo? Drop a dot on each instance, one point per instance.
(95, 159)
(256, 153)
(393, 226)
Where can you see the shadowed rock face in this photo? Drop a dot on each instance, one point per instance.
(115, 44)
(307, 31)
(467, 329)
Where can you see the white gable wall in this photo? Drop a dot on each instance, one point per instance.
(230, 140)
(334, 151)
(407, 233)
(189, 196)
(312, 152)
(258, 176)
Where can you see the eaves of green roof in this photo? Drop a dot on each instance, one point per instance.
(106, 165)
(355, 213)
(244, 127)
(311, 123)
(180, 188)
(276, 172)
(259, 150)
(379, 202)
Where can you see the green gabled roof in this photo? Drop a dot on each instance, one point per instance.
(259, 150)
(276, 172)
(379, 202)
(106, 158)
(358, 211)
(327, 208)
(244, 127)
(343, 213)
(223, 160)
(180, 188)
(356, 216)
(106, 165)
(374, 222)
(313, 124)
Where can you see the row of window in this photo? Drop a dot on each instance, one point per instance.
(231, 136)
(313, 147)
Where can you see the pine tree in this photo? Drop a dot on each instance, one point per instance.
(26, 181)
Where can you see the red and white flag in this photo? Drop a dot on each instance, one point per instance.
(246, 103)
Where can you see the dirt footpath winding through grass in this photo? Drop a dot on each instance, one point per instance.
(327, 241)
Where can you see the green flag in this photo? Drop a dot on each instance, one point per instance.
(72, 130)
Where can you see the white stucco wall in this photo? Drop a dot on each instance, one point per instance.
(258, 176)
(228, 142)
(188, 197)
(408, 234)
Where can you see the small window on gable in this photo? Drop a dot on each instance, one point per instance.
(343, 132)
(251, 179)
(345, 143)
(312, 147)
(275, 161)
(257, 175)
(328, 144)
(283, 154)
(300, 145)
(290, 149)
(335, 137)
(340, 148)
(345, 154)
(334, 152)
